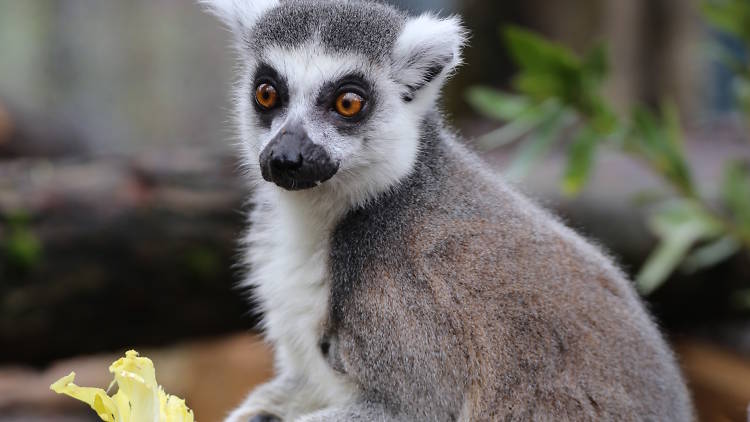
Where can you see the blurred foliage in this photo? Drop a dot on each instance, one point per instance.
(559, 99)
(732, 17)
(22, 250)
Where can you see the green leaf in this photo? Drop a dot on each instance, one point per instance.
(663, 261)
(549, 70)
(23, 250)
(711, 254)
(603, 120)
(735, 192)
(546, 69)
(672, 127)
(542, 86)
(519, 127)
(532, 52)
(731, 16)
(497, 105)
(679, 224)
(721, 18)
(742, 88)
(580, 161)
(20, 248)
(658, 140)
(540, 141)
(596, 63)
(18, 219)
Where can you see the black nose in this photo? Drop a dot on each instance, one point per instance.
(294, 162)
(284, 160)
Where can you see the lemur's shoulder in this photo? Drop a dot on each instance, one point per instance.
(456, 218)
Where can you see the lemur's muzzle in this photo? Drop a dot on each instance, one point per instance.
(294, 162)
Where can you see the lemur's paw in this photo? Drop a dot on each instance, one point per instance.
(241, 415)
(264, 417)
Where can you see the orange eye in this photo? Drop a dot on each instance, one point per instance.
(266, 96)
(349, 104)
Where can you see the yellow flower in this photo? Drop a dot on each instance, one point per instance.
(138, 399)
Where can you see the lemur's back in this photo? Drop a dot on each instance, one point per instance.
(477, 305)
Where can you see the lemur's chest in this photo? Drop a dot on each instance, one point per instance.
(289, 258)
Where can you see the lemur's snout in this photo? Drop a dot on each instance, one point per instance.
(294, 162)
(284, 160)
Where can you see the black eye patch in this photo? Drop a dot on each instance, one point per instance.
(265, 74)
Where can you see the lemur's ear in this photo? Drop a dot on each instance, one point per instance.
(238, 15)
(427, 51)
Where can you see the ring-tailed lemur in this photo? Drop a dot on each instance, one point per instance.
(400, 280)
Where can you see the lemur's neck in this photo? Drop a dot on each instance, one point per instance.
(378, 231)
(434, 143)
(432, 171)
(433, 163)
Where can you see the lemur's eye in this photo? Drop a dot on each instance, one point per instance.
(349, 104)
(266, 96)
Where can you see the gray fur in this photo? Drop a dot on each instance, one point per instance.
(365, 411)
(454, 296)
(450, 297)
(366, 28)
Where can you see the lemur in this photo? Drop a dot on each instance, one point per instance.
(399, 279)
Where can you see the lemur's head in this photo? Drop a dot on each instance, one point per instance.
(335, 91)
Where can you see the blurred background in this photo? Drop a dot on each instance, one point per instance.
(121, 203)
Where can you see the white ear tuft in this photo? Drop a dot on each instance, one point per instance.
(238, 15)
(427, 50)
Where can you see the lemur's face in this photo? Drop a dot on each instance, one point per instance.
(332, 93)
(315, 115)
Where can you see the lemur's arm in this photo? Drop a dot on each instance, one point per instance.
(284, 397)
(364, 411)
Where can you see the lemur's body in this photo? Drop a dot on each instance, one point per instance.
(399, 279)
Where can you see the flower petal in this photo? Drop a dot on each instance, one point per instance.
(96, 398)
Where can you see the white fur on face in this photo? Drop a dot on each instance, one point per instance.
(373, 160)
(384, 151)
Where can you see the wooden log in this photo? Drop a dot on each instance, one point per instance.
(101, 254)
(32, 134)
